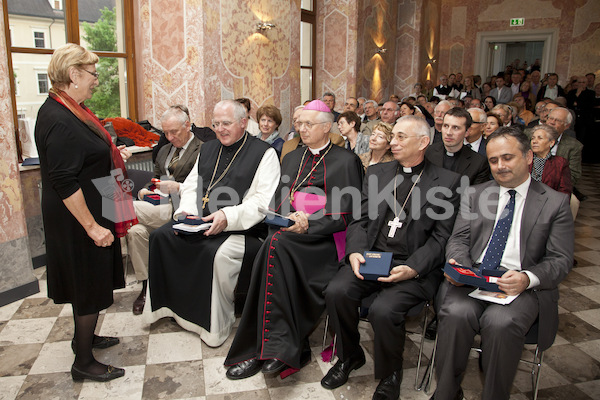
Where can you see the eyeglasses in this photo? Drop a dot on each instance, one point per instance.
(552, 119)
(403, 137)
(307, 124)
(94, 74)
(224, 124)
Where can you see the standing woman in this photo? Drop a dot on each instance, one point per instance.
(269, 119)
(84, 261)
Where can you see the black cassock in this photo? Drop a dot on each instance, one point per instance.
(285, 299)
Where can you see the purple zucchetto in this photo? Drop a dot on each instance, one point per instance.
(317, 105)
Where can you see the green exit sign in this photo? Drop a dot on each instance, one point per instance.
(517, 21)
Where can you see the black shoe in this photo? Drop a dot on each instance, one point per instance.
(273, 366)
(338, 374)
(140, 302)
(431, 330)
(110, 374)
(459, 395)
(244, 370)
(100, 342)
(389, 388)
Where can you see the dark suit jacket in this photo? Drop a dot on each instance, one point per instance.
(428, 236)
(542, 92)
(482, 147)
(547, 242)
(468, 163)
(557, 174)
(184, 165)
(571, 148)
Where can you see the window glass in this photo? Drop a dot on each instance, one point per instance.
(110, 97)
(306, 84)
(36, 24)
(42, 80)
(101, 25)
(30, 72)
(307, 5)
(306, 44)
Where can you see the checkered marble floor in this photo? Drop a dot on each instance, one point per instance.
(163, 361)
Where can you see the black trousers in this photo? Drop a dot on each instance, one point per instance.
(386, 315)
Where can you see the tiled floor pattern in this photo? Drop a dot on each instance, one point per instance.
(163, 361)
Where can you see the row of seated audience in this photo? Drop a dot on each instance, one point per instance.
(408, 206)
(289, 291)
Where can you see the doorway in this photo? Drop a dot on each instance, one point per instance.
(495, 50)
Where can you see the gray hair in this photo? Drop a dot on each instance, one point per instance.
(325, 117)
(550, 131)
(300, 107)
(443, 103)
(421, 125)
(480, 115)
(372, 102)
(363, 98)
(239, 110)
(177, 111)
(328, 94)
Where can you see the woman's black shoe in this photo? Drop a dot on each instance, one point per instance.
(110, 374)
(100, 342)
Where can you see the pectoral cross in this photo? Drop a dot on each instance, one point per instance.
(394, 224)
(204, 201)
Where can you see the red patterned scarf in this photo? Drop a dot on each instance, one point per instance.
(124, 213)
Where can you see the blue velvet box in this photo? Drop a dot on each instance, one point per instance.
(376, 264)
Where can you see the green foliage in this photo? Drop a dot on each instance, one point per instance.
(101, 36)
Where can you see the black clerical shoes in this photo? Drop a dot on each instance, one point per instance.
(389, 388)
(245, 369)
(273, 366)
(338, 374)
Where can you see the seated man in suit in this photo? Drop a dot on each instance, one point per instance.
(414, 228)
(501, 93)
(516, 224)
(452, 154)
(474, 137)
(173, 164)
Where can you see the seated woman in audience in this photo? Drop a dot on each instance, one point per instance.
(349, 126)
(525, 90)
(485, 90)
(552, 170)
(422, 111)
(406, 109)
(489, 102)
(469, 89)
(493, 122)
(379, 146)
(269, 119)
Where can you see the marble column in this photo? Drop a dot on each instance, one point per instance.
(16, 272)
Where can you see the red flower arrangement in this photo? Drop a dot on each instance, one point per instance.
(133, 131)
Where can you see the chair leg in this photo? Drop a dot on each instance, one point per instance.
(324, 345)
(421, 348)
(536, 371)
(425, 384)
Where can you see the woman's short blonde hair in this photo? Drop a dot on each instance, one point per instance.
(384, 128)
(65, 57)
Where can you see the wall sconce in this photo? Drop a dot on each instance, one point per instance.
(264, 26)
(431, 61)
(381, 50)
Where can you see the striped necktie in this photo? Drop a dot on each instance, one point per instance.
(174, 160)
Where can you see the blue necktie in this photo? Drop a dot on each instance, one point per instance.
(495, 250)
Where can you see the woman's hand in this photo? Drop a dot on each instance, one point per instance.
(125, 154)
(301, 222)
(101, 236)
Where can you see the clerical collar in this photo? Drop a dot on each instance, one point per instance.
(317, 151)
(236, 145)
(449, 154)
(413, 170)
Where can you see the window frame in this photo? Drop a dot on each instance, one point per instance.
(35, 39)
(71, 10)
(310, 17)
(38, 75)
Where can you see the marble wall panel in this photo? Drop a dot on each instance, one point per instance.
(12, 212)
(168, 48)
(405, 56)
(336, 58)
(16, 268)
(409, 60)
(459, 22)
